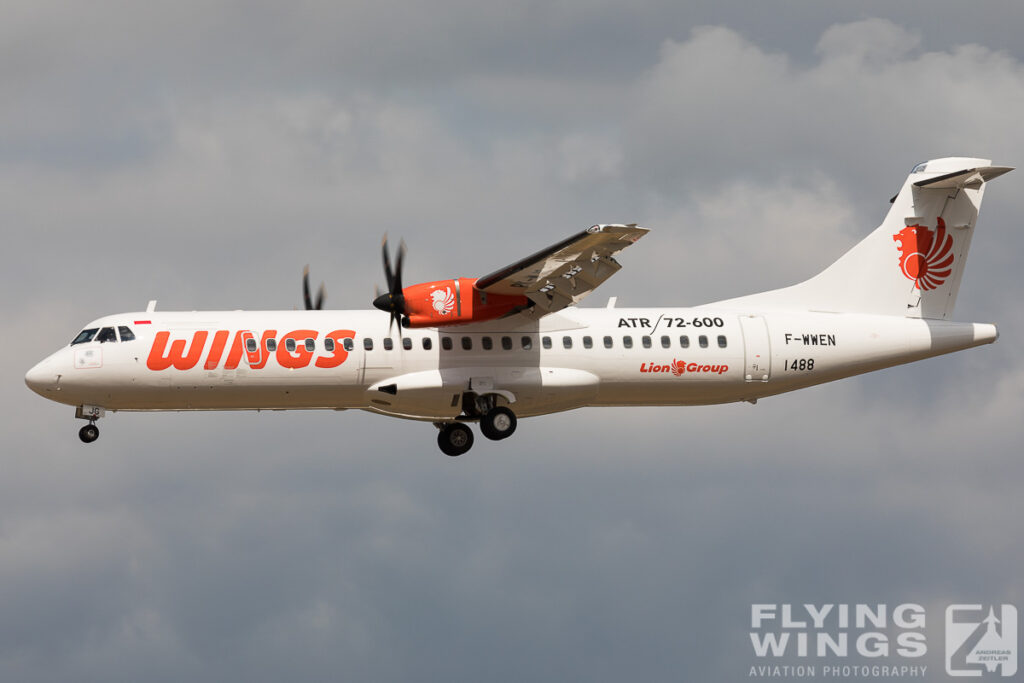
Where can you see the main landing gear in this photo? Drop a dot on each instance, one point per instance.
(455, 438)
(89, 432)
(499, 423)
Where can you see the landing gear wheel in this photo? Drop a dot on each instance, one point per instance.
(455, 439)
(89, 433)
(498, 424)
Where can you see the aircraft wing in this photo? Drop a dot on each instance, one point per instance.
(564, 273)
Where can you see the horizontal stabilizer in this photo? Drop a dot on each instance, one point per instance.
(966, 178)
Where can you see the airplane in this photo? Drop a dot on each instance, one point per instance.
(514, 343)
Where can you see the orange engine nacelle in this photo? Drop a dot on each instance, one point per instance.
(455, 302)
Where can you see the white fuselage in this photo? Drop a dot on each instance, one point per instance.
(576, 358)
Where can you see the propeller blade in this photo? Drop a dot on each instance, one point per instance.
(393, 300)
(321, 294)
(397, 289)
(387, 264)
(305, 288)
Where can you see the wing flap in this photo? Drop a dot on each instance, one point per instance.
(564, 273)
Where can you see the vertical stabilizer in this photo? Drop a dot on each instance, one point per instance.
(912, 264)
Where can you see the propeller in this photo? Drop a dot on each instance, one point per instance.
(392, 301)
(320, 294)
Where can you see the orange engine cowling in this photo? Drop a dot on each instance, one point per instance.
(455, 302)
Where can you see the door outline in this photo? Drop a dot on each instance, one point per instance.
(378, 360)
(756, 348)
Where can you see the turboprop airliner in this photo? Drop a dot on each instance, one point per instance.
(514, 344)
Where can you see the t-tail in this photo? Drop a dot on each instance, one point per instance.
(911, 266)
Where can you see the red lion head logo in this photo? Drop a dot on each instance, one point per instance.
(926, 255)
(678, 367)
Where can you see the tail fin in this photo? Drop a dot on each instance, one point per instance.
(912, 264)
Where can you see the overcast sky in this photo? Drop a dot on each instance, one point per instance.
(200, 153)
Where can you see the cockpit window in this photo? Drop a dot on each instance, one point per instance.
(920, 167)
(126, 333)
(85, 335)
(106, 335)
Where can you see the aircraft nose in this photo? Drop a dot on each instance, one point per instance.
(43, 377)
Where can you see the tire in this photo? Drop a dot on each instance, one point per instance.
(499, 423)
(89, 433)
(455, 439)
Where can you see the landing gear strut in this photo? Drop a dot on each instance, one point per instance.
(454, 438)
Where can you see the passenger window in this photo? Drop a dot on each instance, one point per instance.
(310, 345)
(427, 344)
(607, 342)
(666, 341)
(126, 333)
(85, 335)
(627, 342)
(272, 345)
(289, 345)
(487, 343)
(328, 344)
(107, 334)
(646, 341)
(567, 342)
(506, 343)
(684, 342)
(251, 346)
(545, 342)
(388, 344)
(367, 343)
(703, 341)
(446, 343)
(722, 341)
(348, 343)
(588, 343)
(527, 343)
(467, 343)
(407, 343)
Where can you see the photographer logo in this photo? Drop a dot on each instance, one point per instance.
(981, 642)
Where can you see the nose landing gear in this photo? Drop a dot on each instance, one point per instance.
(89, 432)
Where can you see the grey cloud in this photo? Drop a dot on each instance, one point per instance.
(869, 85)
